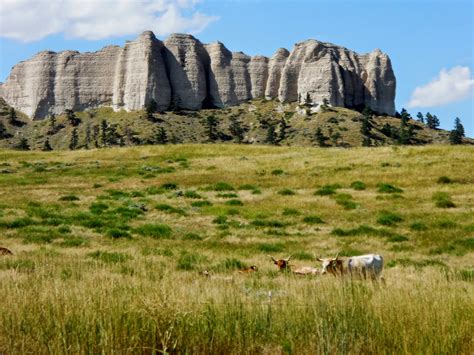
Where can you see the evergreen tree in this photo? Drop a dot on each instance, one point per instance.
(236, 129)
(23, 144)
(320, 138)
(12, 118)
(211, 128)
(150, 109)
(271, 135)
(420, 117)
(456, 135)
(52, 122)
(74, 140)
(47, 147)
(103, 132)
(405, 116)
(3, 131)
(283, 129)
(366, 126)
(432, 121)
(72, 118)
(88, 136)
(160, 136)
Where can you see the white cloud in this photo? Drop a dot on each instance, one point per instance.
(31, 20)
(451, 85)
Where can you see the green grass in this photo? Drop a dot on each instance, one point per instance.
(110, 273)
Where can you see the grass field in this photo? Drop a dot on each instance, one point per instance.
(110, 244)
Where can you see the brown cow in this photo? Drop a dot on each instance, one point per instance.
(5, 251)
(283, 265)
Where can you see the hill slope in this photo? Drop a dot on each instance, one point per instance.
(255, 122)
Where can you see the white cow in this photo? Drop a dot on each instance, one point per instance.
(370, 265)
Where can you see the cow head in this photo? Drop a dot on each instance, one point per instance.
(283, 264)
(331, 265)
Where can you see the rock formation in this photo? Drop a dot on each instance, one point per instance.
(181, 72)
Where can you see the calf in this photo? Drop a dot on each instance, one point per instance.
(283, 265)
(5, 251)
(249, 270)
(363, 265)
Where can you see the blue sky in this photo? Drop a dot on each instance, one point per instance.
(423, 38)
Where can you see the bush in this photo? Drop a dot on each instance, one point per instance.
(286, 192)
(444, 180)
(345, 201)
(154, 190)
(118, 233)
(278, 172)
(227, 195)
(98, 207)
(170, 209)
(234, 202)
(155, 230)
(443, 200)
(220, 186)
(268, 223)
(204, 203)
(191, 236)
(418, 226)
(327, 190)
(388, 218)
(109, 257)
(312, 219)
(189, 261)
(358, 185)
(69, 198)
(169, 186)
(191, 194)
(388, 189)
(291, 212)
(220, 220)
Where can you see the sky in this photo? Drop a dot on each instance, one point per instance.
(430, 42)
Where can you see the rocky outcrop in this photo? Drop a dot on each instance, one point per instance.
(181, 72)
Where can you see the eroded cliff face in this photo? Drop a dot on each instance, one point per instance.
(181, 72)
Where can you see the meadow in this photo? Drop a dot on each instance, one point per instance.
(109, 248)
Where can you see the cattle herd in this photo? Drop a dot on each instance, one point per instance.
(361, 266)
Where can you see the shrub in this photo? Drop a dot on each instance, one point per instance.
(278, 172)
(358, 185)
(345, 201)
(290, 212)
(154, 190)
(313, 219)
(388, 218)
(388, 189)
(447, 224)
(117, 194)
(74, 242)
(227, 195)
(154, 230)
(220, 186)
(118, 233)
(169, 186)
(234, 202)
(69, 198)
(248, 187)
(418, 226)
(191, 236)
(64, 229)
(444, 180)
(188, 261)
(268, 223)
(327, 190)
(204, 203)
(443, 200)
(220, 220)
(170, 209)
(108, 257)
(19, 222)
(191, 194)
(286, 192)
(98, 207)
(397, 238)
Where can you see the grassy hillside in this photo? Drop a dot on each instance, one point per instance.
(110, 244)
(258, 121)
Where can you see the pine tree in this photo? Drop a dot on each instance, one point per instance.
(88, 136)
(23, 144)
(320, 137)
(73, 120)
(3, 131)
(211, 128)
(405, 116)
(47, 147)
(236, 129)
(150, 109)
(52, 122)
(420, 117)
(74, 140)
(432, 121)
(103, 132)
(271, 135)
(283, 129)
(160, 136)
(456, 135)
